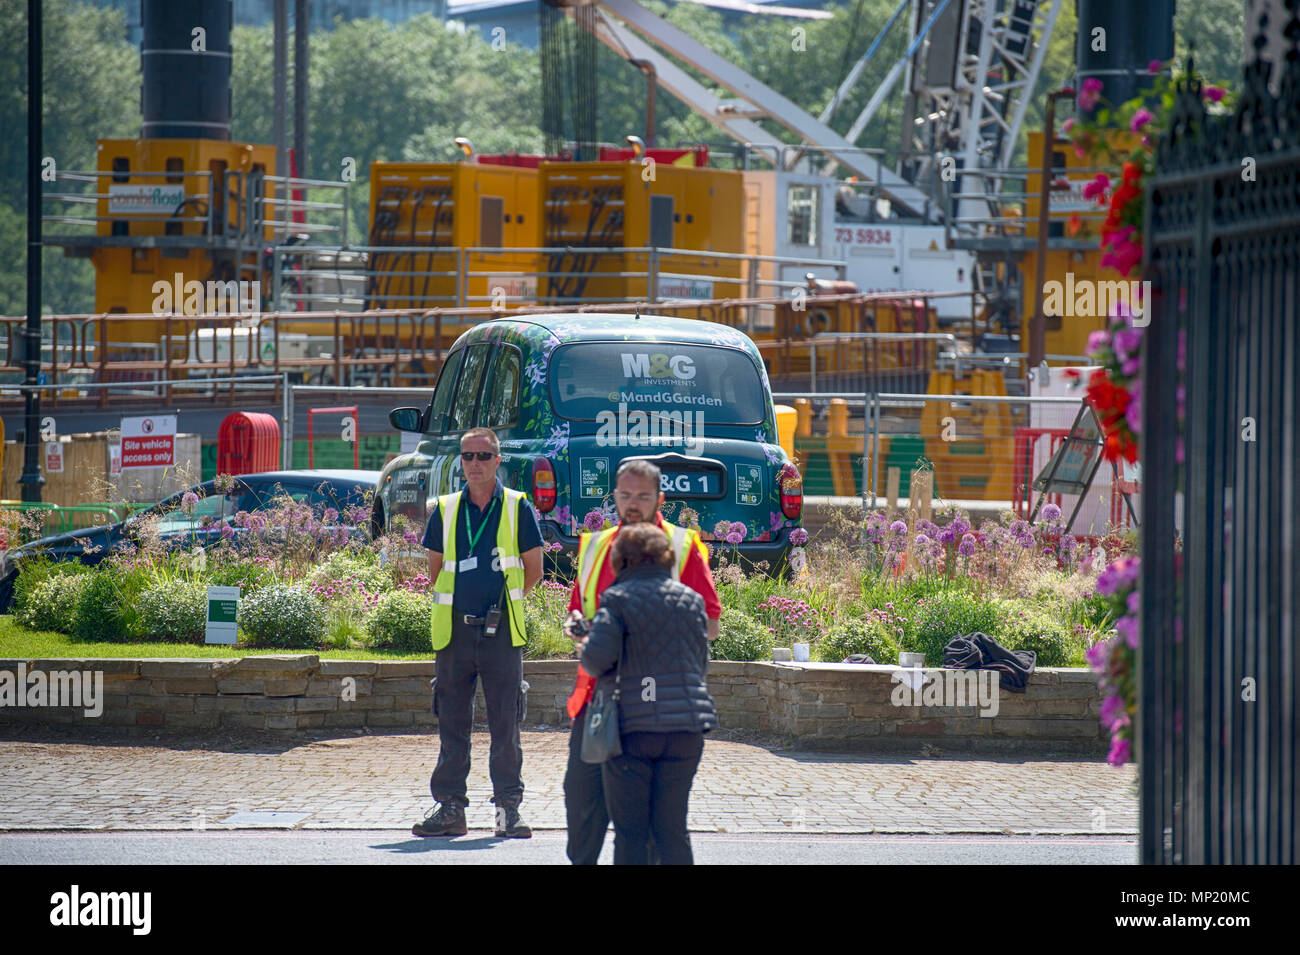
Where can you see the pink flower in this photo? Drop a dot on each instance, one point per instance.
(1154, 67)
(1069, 125)
(1140, 119)
(1096, 189)
(1120, 751)
(1213, 93)
(1089, 93)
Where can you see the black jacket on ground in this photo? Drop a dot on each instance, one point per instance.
(660, 626)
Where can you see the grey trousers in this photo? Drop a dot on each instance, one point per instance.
(469, 656)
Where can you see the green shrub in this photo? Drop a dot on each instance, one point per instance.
(741, 638)
(282, 616)
(545, 608)
(858, 636)
(175, 611)
(353, 564)
(933, 622)
(35, 570)
(401, 621)
(1024, 627)
(244, 574)
(109, 605)
(52, 603)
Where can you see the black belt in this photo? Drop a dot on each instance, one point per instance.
(470, 621)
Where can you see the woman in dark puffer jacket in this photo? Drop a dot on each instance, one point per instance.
(659, 627)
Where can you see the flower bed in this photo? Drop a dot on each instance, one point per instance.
(877, 587)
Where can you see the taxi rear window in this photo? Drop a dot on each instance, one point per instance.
(721, 383)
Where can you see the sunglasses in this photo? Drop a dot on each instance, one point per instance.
(477, 455)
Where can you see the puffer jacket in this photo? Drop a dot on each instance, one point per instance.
(660, 626)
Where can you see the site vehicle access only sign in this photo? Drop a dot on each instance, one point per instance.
(149, 442)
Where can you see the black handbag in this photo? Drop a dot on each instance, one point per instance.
(602, 737)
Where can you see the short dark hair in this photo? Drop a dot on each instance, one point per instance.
(483, 433)
(641, 468)
(640, 544)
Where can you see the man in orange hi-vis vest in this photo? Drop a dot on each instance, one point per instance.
(638, 497)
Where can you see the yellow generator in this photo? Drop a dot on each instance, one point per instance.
(586, 206)
(1070, 216)
(180, 212)
(430, 212)
(971, 444)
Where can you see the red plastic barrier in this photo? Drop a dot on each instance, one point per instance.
(247, 443)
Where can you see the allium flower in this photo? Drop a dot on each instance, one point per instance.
(967, 545)
(734, 538)
(720, 529)
(227, 531)
(739, 528)
(189, 501)
(1051, 513)
(411, 538)
(798, 537)
(1068, 544)
(947, 536)
(898, 527)
(960, 526)
(594, 521)
(922, 541)
(331, 516)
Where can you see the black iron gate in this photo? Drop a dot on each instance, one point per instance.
(1219, 665)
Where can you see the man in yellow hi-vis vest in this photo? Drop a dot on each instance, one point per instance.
(638, 497)
(485, 554)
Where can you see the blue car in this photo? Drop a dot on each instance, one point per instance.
(342, 491)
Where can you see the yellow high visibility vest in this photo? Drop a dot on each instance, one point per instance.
(593, 550)
(512, 566)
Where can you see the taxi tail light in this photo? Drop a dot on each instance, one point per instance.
(791, 494)
(543, 486)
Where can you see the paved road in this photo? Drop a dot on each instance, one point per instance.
(53, 780)
(546, 848)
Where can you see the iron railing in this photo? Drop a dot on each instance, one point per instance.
(1219, 671)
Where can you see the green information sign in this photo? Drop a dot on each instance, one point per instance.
(223, 610)
(749, 484)
(593, 476)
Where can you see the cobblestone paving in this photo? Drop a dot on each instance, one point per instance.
(50, 781)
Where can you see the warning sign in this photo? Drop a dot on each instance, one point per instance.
(53, 457)
(149, 442)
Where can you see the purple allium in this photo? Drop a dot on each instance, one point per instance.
(331, 515)
(898, 527)
(967, 545)
(798, 537)
(738, 528)
(411, 538)
(1051, 513)
(921, 541)
(189, 501)
(1068, 544)
(227, 531)
(594, 521)
(960, 526)
(721, 529)
(876, 521)
(734, 538)
(946, 536)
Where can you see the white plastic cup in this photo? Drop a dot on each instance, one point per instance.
(802, 652)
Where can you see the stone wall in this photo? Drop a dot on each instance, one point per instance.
(827, 706)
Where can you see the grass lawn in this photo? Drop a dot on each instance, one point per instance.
(19, 643)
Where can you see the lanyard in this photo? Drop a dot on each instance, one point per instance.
(469, 528)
